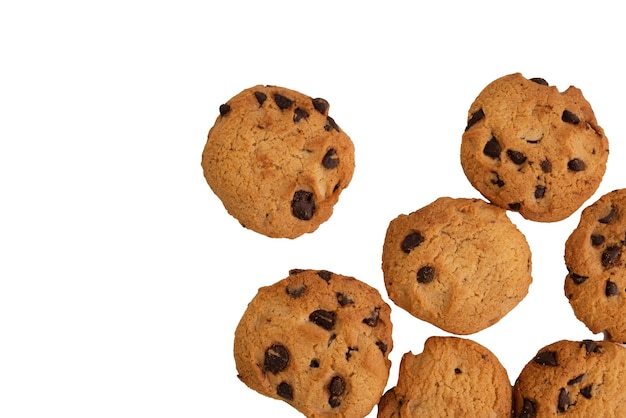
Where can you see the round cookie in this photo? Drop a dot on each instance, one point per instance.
(572, 379)
(595, 256)
(459, 264)
(319, 341)
(452, 377)
(277, 161)
(529, 148)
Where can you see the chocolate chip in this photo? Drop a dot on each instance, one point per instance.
(476, 116)
(323, 319)
(224, 109)
(343, 299)
(546, 166)
(303, 205)
(597, 240)
(540, 191)
(332, 338)
(517, 157)
(330, 160)
(529, 409)
(539, 80)
(515, 206)
(570, 117)
(576, 164)
(276, 358)
(349, 352)
(492, 148)
(372, 320)
(296, 271)
(331, 124)
(457, 371)
(315, 363)
(578, 278)
(296, 292)
(611, 289)
(321, 105)
(546, 358)
(284, 390)
(586, 391)
(336, 388)
(282, 102)
(260, 97)
(610, 217)
(611, 255)
(426, 274)
(591, 346)
(575, 380)
(564, 400)
(383, 347)
(325, 274)
(496, 180)
(299, 114)
(411, 241)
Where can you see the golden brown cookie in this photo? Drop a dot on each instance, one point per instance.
(529, 148)
(452, 377)
(277, 161)
(319, 341)
(573, 379)
(595, 256)
(459, 264)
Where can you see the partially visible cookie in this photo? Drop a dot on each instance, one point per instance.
(595, 256)
(529, 148)
(319, 341)
(452, 377)
(277, 161)
(573, 379)
(459, 264)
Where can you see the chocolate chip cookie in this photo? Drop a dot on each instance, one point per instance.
(529, 148)
(573, 379)
(452, 377)
(277, 160)
(595, 256)
(319, 341)
(459, 264)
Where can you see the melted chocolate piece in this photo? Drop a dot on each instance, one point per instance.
(497, 181)
(224, 109)
(296, 292)
(343, 299)
(564, 400)
(321, 105)
(586, 391)
(336, 387)
(515, 206)
(517, 157)
(296, 271)
(546, 358)
(285, 391)
(575, 380)
(570, 117)
(476, 116)
(492, 148)
(325, 274)
(540, 191)
(411, 241)
(323, 319)
(426, 274)
(578, 278)
(611, 255)
(373, 319)
(282, 102)
(276, 359)
(331, 124)
(576, 164)
(539, 80)
(546, 166)
(591, 346)
(260, 97)
(303, 205)
(529, 409)
(383, 347)
(597, 240)
(330, 160)
(299, 114)
(315, 363)
(611, 289)
(610, 217)
(457, 371)
(349, 352)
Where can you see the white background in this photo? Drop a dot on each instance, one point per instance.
(122, 277)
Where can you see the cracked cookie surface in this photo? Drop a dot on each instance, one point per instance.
(277, 160)
(531, 149)
(459, 264)
(595, 256)
(319, 341)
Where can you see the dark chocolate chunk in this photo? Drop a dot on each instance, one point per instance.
(569, 117)
(539, 80)
(517, 157)
(296, 292)
(224, 109)
(546, 358)
(577, 278)
(426, 274)
(611, 289)
(331, 124)
(285, 391)
(299, 114)
(476, 116)
(576, 164)
(492, 148)
(349, 352)
(591, 346)
(496, 180)
(540, 191)
(586, 391)
(321, 105)
(303, 205)
(546, 166)
(575, 380)
(325, 274)
(315, 363)
(611, 255)
(332, 338)
(597, 240)
(457, 371)
(276, 358)
(411, 241)
(564, 400)
(296, 271)
(260, 97)
(383, 347)
(343, 299)
(610, 217)
(282, 102)
(373, 319)
(324, 319)
(515, 206)
(529, 409)
(331, 159)
(336, 388)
